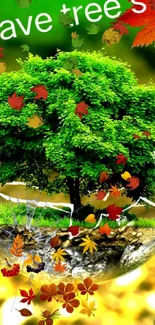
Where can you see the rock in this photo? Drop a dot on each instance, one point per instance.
(139, 234)
(134, 233)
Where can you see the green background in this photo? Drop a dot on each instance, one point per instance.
(45, 44)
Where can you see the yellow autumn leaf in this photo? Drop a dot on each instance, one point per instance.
(88, 308)
(90, 218)
(2, 67)
(89, 245)
(35, 122)
(58, 255)
(126, 175)
(32, 259)
(111, 36)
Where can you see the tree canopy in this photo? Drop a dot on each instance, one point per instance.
(95, 110)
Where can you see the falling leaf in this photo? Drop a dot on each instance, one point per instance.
(1, 52)
(121, 159)
(28, 296)
(126, 175)
(77, 72)
(25, 48)
(59, 267)
(100, 195)
(16, 102)
(65, 19)
(35, 121)
(88, 308)
(89, 245)
(103, 177)
(113, 211)
(148, 134)
(90, 218)
(74, 35)
(87, 287)
(111, 36)
(41, 91)
(121, 28)
(81, 109)
(74, 230)
(77, 42)
(115, 191)
(55, 241)
(93, 29)
(70, 302)
(133, 182)
(58, 255)
(48, 291)
(25, 312)
(105, 229)
(2, 67)
(17, 247)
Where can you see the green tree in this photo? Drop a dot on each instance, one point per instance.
(78, 149)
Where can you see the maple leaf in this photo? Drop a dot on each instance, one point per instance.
(70, 302)
(17, 246)
(121, 28)
(89, 245)
(16, 102)
(88, 308)
(148, 134)
(93, 29)
(41, 91)
(105, 229)
(58, 255)
(65, 289)
(113, 211)
(59, 267)
(100, 195)
(121, 159)
(29, 296)
(126, 175)
(48, 291)
(65, 19)
(77, 72)
(81, 109)
(74, 230)
(103, 177)
(35, 122)
(74, 35)
(55, 241)
(115, 191)
(90, 218)
(133, 182)
(25, 48)
(77, 42)
(87, 287)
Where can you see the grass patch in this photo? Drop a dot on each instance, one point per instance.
(11, 214)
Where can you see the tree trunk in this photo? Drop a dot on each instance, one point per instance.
(73, 185)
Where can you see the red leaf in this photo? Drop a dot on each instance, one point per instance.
(136, 136)
(16, 102)
(54, 242)
(133, 182)
(59, 267)
(1, 52)
(64, 289)
(100, 195)
(74, 230)
(28, 296)
(87, 287)
(103, 177)
(70, 302)
(41, 91)
(48, 291)
(121, 28)
(121, 159)
(81, 109)
(147, 133)
(113, 211)
(105, 229)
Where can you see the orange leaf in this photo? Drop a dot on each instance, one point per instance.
(90, 218)
(115, 191)
(74, 35)
(105, 229)
(103, 177)
(25, 312)
(54, 242)
(59, 267)
(17, 246)
(133, 182)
